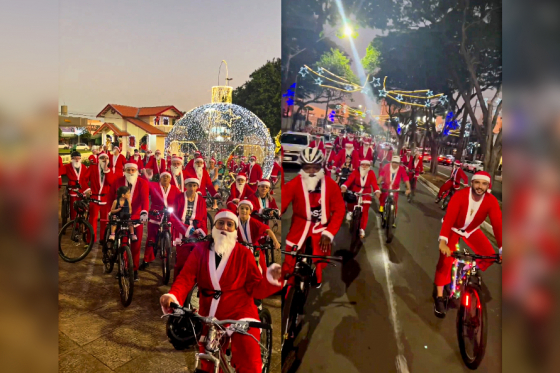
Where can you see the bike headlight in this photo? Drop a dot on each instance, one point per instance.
(170, 209)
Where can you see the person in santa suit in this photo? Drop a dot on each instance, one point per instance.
(317, 209)
(338, 142)
(262, 199)
(93, 158)
(386, 155)
(406, 156)
(276, 170)
(77, 173)
(330, 159)
(239, 191)
(252, 231)
(190, 218)
(117, 162)
(199, 169)
(231, 165)
(243, 164)
(390, 177)
(414, 168)
(318, 143)
(147, 157)
(162, 195)
(190, 164)
(362, 180)
(254, 173)
(177, 173)
(466, 212)
(100, 177)
(366, 152)
(156, 163)
(140, 197)
(136, 158)
(348, 151)
(60, 166)
(350, 138)
(404, 151)
(454, 181)
(229, 280)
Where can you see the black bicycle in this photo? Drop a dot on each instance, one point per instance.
(296, 294)
(447, 197)
(162, 244)
(76, 238)
(65, 205)
(184, 328)
(413, 181)
(389, 215)
(266, 216)
(472, 318)
(357, 198)
(119, 251)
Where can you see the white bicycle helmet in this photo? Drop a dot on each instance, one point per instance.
(311, 156)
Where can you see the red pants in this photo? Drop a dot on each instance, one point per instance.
(135, 246)
(245, 353)
(383, 197)
(94, 210)
(182, 252)
(290, 261)
(365, 213)
(445, 187)
(478, 242)
(148, 249)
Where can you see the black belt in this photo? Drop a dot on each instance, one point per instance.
(216, 294)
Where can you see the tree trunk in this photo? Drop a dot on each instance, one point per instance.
(434, 151)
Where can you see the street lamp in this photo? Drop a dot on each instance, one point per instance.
(348, 30)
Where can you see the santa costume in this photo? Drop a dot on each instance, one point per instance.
(252, 231)
(160, 199)
(414, 168)
(276, 170)
(157, 165)
(238, 192)
(93, 158)
(136, 158)
(254, 172)
(117, 162)
(348, 151)
(392, 180)
(366, 151)
(330, 159)
(100, 183)
(316, 212)
(177, 175)
(77, 173)
(454, 181)
(203, 176)
(463, 219)
(140, 198)
(385, 155)
(147, 157)
(318, 143)
(231, 165)
(362, 182)
(60, 165)
(228, 283)
(406, 158)
(259, 204)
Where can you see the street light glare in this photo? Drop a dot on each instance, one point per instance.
(347, 30)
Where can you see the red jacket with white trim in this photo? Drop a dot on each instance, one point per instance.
(140, 195)
(401, 175)
(152, 163)
(100, 187)
(356, 183)
(457, 176)
(198, 220)
(74, 177)
(117, 165)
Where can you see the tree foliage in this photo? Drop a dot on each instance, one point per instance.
(261, 94)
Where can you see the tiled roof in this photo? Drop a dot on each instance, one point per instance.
(134, 112)
(146, 127)
(113, 128)
(156, 110)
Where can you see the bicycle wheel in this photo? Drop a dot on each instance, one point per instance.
(193, 298)
(64, 210)
(165, 246)
(389, 223)
(289, 319)
(355, 228)
(126, 276)
(472, 327)
(445, 201)
(108, 252)
(75, 240)
(266, 340)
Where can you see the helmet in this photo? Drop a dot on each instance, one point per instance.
(311, 156)
(183, 332)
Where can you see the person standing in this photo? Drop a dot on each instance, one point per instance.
(157, 164)
(77, 174)
(117, 162)
(254, 173)
(100, 177)
(93, 158)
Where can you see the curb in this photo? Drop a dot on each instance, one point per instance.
(434, 189)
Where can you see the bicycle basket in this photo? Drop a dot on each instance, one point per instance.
(350, 197)
(183, 332)
(80, 206)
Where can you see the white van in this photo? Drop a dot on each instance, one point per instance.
(293, 143)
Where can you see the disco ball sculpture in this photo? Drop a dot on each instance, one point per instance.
(221, 129)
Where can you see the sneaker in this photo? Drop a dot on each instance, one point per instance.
(349, 216)
(144, 265)
(439, 307)
(438, 199)
(318, 286)
(136, 279)
(362, 233)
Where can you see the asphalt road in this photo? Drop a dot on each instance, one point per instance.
(375, 313)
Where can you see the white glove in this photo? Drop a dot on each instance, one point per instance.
(144, 217)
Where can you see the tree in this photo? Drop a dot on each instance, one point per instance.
(261, 94)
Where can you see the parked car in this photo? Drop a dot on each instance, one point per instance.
(442, 159)
(293, 143)
(475, 166)
(427, 157)
(62, 145)
(81, 146)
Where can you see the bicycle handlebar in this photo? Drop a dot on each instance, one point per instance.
(391, 190)
(239, 325)
(460, 255)
(324, 257)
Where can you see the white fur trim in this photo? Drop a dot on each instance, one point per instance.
(165, 173)
(174, 298)
(227, 215)
(131, 165)
(246, 202)
(443, 238)
(269, 275)
(328, 234)
(192, 180)
(87, 190)
(396, 158)
(480, 177)
(267, 183)
(365, 161)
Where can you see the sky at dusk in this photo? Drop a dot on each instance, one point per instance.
(152, 53)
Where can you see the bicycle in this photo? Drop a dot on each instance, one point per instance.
(466, 286)
(65, 205)
(447, 197)
(162, 243)
(389, 215)
(217, 336)
(123, 257)
(81, 236)
(356, 197)
(266, 217)
(209, 203)
(296, 296)
(342, 177)
(413, 180)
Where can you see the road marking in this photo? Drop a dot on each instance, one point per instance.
(400, 361)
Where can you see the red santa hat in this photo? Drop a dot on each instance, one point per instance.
(213, 159)
(130, 165)
(328, 145)
(349, 145)
(365, 161)
(246, 202)
(220, 163)
(175, 157)
(197, 157)
(253, 158)
(164, 173)
(264, 182)
(483, 175)
(226, 214)
(103, 155)
(190, 178)
(116, 147)
(241, 175)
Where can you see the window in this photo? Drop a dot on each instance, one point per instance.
(166, 121)
(156, 121)
(131, 141)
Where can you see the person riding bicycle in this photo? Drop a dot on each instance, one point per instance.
(466, 212)
(177, 174)
(330, 159)
(390, 177)
(252, 231)
(77, 174)
(122, 207)
(345, 171)
(348, 151)
(317, 209)
(262, 199)
(366, 151)
(239, 192)
(362, 180)
(100, 177)
(254, 173)
(198, 168)
(454, 181)
(414, 168)
(190, 218)
(317, 142)
(385, 155)
(162, 195)
(229, 280)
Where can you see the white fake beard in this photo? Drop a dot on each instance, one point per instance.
(349, 152)
(176, 170)
(224, 241)
(311, 182)
(149, 173)
(136, 157)
(76, 164)
(252, 163)
(394, 169)
(363, 172)
(239, 187)
(158, 157)
(131, 178)
(198, 170)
